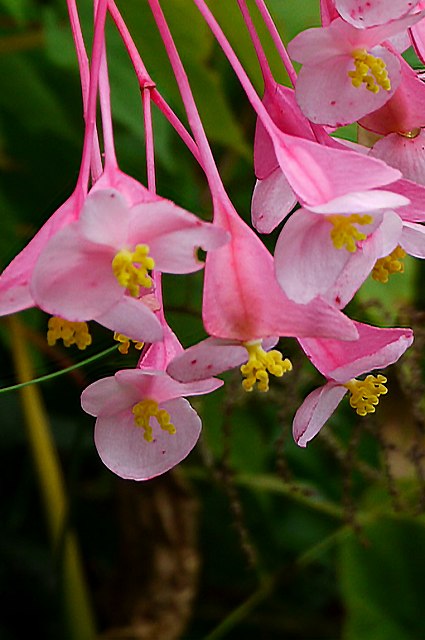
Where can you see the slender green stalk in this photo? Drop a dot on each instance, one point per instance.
(75, 593)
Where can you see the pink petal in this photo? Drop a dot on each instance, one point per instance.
(326, 95)
(327, 12)
(316, 409)
(132, 191)
(405, 154)
(73, 277)
(413, 239)
(159, 386)
(131, 317)
(360, 13)
(160, 354)
(415, 211)
(108, 397)
(362, 202)
(273, 199)
(375, 348)
(14, 281)
(105, 218)
(123, 449)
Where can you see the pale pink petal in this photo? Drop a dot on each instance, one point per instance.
(375, 348)
(161, 387)
(417, 34)
(316, 409)
(108, 397)
(158, 355)
(373, 12)
(105, 218)
(317, 45)
(405, 154)
(326, 95)
(123, 449)
(415, 211)
(133, 192)
(131, 317)
(14, 281)
(413, 239)
(362, 202)
(73, 277)
(273, 199)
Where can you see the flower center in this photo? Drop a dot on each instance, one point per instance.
(384, 267)
(365, 393)
(70, 332)
(131, 269)
(344, 232)
(144, 410)
(369, 70)
(260, 364)
(125, 343)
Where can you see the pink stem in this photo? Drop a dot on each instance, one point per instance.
(146, 81)
(259, 50)
(207, 159)
(98, 39)
(83, 64)
(149, 141)
(105, 107)
(277, 41)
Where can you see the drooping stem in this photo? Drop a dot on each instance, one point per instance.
(83, 65)
(281, 49)
(149, 140)
(145, 80)
(259, 50)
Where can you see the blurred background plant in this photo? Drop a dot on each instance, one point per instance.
(251, 536)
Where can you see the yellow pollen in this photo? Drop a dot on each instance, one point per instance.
(70, 332)
(260, 364)
(413, 133)
(145, 410)
(384, 267)
(365, 393)
(344, 233)
(125, 343)
(364, 63)
(131, 269)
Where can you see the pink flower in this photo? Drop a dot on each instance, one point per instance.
(144, 425)
(346, 73)
(341, 364)
(98, 267)
(362, 13)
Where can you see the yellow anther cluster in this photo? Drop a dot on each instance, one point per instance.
(369, 70)
(70, 332)
(125, 343)
(412, 134)
(144, 410)
(260, 364)
(365, 393)
(384, 267)
(344, 233)
(131, 269)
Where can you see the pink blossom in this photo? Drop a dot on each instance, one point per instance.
(98, 267)
(346, 73)
(375, 349)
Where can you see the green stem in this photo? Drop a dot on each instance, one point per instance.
(76, 597)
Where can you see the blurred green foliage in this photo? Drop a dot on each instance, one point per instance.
(269, 541)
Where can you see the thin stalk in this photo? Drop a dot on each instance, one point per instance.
(149, 140)
(77, 604)
(259, 50)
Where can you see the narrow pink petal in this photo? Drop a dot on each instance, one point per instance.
(160, 354)
(405, 154)
(375, 348)
(14, 281)
(415, 211)
(108, 397)
(123, 449)
(340, 103)
(273, 199)
(360, 13)
(316, 409)
(105, 218)
(327, 12)
(131, 317)
(413, 239)
(362, 202)
(73, 277)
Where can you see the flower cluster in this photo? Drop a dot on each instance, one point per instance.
(348, 211)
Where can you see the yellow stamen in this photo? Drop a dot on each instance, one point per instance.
(365, 393)
(131, 269)
(413, 133)
(378, 76)
(384, 267)
(70, 332)
(125, 343)
(344, 233)
(260, 364)
(144, 410)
